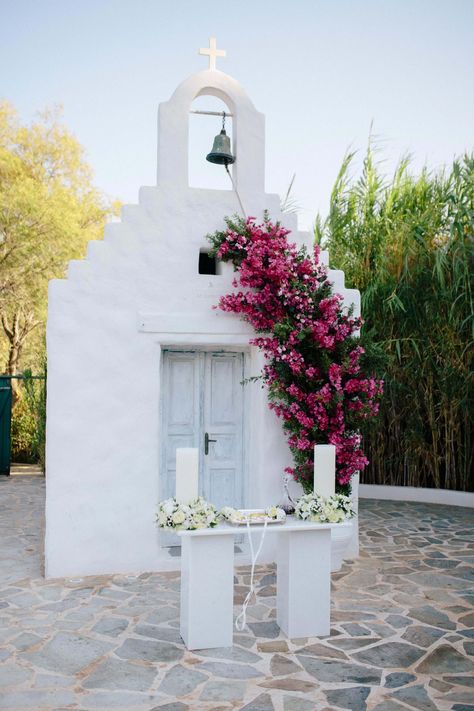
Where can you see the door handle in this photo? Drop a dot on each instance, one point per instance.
(206, 443)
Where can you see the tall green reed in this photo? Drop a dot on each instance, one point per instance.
(408, 244)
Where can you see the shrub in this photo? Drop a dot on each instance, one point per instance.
(29, 421)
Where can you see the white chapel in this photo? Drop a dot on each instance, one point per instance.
(139, 362)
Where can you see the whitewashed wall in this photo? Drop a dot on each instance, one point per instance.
(136, 292)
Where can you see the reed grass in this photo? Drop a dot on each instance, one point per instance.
(407, 243)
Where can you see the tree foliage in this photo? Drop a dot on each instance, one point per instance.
(408, 244)
(49, 210)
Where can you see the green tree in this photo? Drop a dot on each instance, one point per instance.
(49, 210)
(408, 244)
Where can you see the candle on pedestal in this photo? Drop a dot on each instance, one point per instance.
(324, 481)
(187, 474)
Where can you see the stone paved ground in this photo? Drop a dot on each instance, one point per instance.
(402, 627)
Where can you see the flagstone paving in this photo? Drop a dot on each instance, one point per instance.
(402, 632)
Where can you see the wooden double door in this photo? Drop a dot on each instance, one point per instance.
(203, 406)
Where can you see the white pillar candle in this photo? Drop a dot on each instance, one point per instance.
(324, 476)
(187, 474)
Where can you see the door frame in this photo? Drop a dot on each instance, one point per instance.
(198, 348)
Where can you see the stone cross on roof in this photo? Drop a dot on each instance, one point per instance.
(212, 52)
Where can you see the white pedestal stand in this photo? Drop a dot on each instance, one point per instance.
(207, 581)
(207, 591)
(304, 583)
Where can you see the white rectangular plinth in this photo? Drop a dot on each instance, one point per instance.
(304, 583)
(207, 588)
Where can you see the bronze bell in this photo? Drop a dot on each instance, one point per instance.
(220, 152)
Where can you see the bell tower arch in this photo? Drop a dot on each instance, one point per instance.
(248, 132)
(206, 119)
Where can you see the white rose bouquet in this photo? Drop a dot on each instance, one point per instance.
(175, 516)
(335, 509)
(338, 507)
(309, 507)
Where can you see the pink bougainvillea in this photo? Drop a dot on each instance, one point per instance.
(314, 364)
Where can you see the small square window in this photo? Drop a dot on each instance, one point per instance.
(207, 264)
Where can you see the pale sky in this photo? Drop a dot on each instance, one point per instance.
(320, 70)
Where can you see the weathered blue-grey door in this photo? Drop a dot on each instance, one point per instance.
(202, 406)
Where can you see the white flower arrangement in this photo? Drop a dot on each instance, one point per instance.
(176, 516)
(272, 513)
(335, 509)
(309, 507)
(227, 512)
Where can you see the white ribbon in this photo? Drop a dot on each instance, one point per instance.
(241, 620)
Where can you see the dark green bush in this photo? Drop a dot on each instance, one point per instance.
(29, 421)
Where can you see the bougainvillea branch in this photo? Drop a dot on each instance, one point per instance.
(314, 366)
